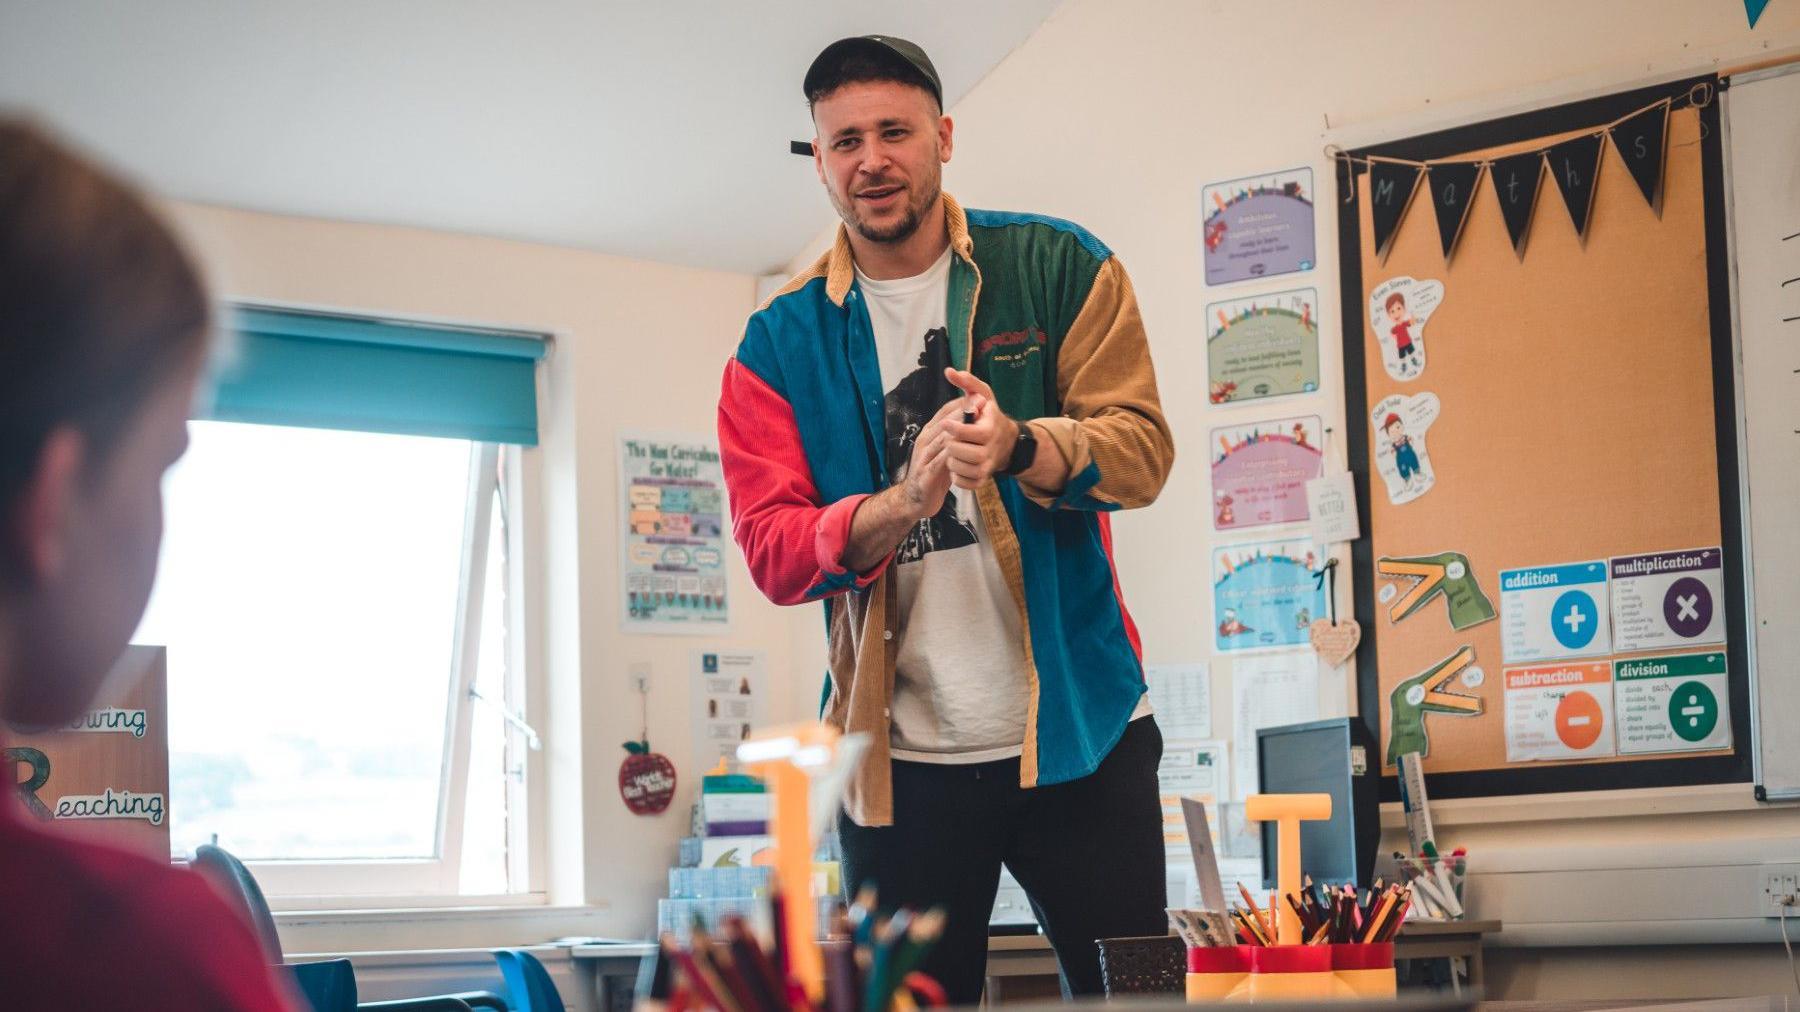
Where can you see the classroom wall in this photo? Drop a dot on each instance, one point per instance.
(1114, 114)
(636, 345)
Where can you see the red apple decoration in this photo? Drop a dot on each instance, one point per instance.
(646, 779)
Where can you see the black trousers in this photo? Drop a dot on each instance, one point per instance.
(1089, 854)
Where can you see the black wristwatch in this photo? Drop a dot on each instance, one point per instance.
(1024, 451)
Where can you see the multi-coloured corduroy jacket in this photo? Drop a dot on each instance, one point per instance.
(1041, 311)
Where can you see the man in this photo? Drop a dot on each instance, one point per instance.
(926, 430)
(103, 330)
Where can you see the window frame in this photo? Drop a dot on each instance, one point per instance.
(497, 471)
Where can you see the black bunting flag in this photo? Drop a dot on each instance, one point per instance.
(1452, 186)
(1391, 186)
(1642, 142)
(1515, 180)
(1574, 164)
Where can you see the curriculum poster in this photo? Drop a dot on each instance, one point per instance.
(1266, 595)
(1260, 471)
(672, 540)
(1258, 226)
(1263, 346)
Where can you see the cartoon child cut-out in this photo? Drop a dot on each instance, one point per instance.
(1400, 422)
(1398, 310)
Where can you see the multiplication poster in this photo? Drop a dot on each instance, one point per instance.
(672, 541)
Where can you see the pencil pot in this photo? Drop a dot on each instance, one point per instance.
(1437, 886)
(1215, 972)
(1150, 964)
(1291, 971)
(1366, 969)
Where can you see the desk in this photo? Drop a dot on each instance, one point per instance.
(614, 969)
(1439, 939)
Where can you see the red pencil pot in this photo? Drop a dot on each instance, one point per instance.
(1366, 969)
(1293, 971)
(1216, 971)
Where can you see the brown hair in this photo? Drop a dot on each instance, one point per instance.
(98, 303)
(1393, 298)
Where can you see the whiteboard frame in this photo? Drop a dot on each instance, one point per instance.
(1751, 653)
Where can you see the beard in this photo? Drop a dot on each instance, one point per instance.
(898, 231)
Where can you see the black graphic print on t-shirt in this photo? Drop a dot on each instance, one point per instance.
(912, 403)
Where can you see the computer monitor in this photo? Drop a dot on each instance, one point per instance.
(1335, 757)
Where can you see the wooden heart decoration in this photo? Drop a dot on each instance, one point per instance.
(1335, 643)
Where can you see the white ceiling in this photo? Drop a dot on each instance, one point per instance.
(656, 129)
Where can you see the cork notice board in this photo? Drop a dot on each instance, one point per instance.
(1584, 412)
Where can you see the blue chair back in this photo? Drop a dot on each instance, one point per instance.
(528, 985)
(230, 876)
(328, 986)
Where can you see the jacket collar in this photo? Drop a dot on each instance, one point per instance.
(840, 263)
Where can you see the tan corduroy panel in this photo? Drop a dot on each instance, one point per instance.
(1112, 416)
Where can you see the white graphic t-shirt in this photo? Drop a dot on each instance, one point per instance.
(959, 683)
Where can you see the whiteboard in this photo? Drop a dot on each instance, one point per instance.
(1762, 150)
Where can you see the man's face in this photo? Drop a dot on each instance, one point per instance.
(880, 153)
(92, 556)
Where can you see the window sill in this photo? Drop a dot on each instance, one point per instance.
(316, 932)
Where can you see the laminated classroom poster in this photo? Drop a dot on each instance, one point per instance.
(1190, 769)
(1550, 613)
(1668, 600)
(730, 699)
(1263, 346)
(672, 539)
(1269, 690)
(1675, 703)
(1400, 422)
(1181, 695)
(1266, 595)
(1260, 471)
(1258, 226)
(1559, 711)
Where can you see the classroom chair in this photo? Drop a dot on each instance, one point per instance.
(330, 985)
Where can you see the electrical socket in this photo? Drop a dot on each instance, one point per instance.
(1775, 881)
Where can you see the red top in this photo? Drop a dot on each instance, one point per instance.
(87, 926)
(1402, 335)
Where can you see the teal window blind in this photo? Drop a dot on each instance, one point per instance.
(338, 372)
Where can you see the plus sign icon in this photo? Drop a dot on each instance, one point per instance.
(1555, 612)
(1670, 599)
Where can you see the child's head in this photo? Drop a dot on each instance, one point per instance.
(1396, 307)
(1391, 427)
(103, 328)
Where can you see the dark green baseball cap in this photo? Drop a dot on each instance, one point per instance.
(881, 47)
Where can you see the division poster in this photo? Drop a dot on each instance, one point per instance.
(1263, 346)
(1266, 595)
(1260, 471)
(1679, 703)
(1258, 226)
(672, 541)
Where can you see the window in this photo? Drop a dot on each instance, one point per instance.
(337, 594)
